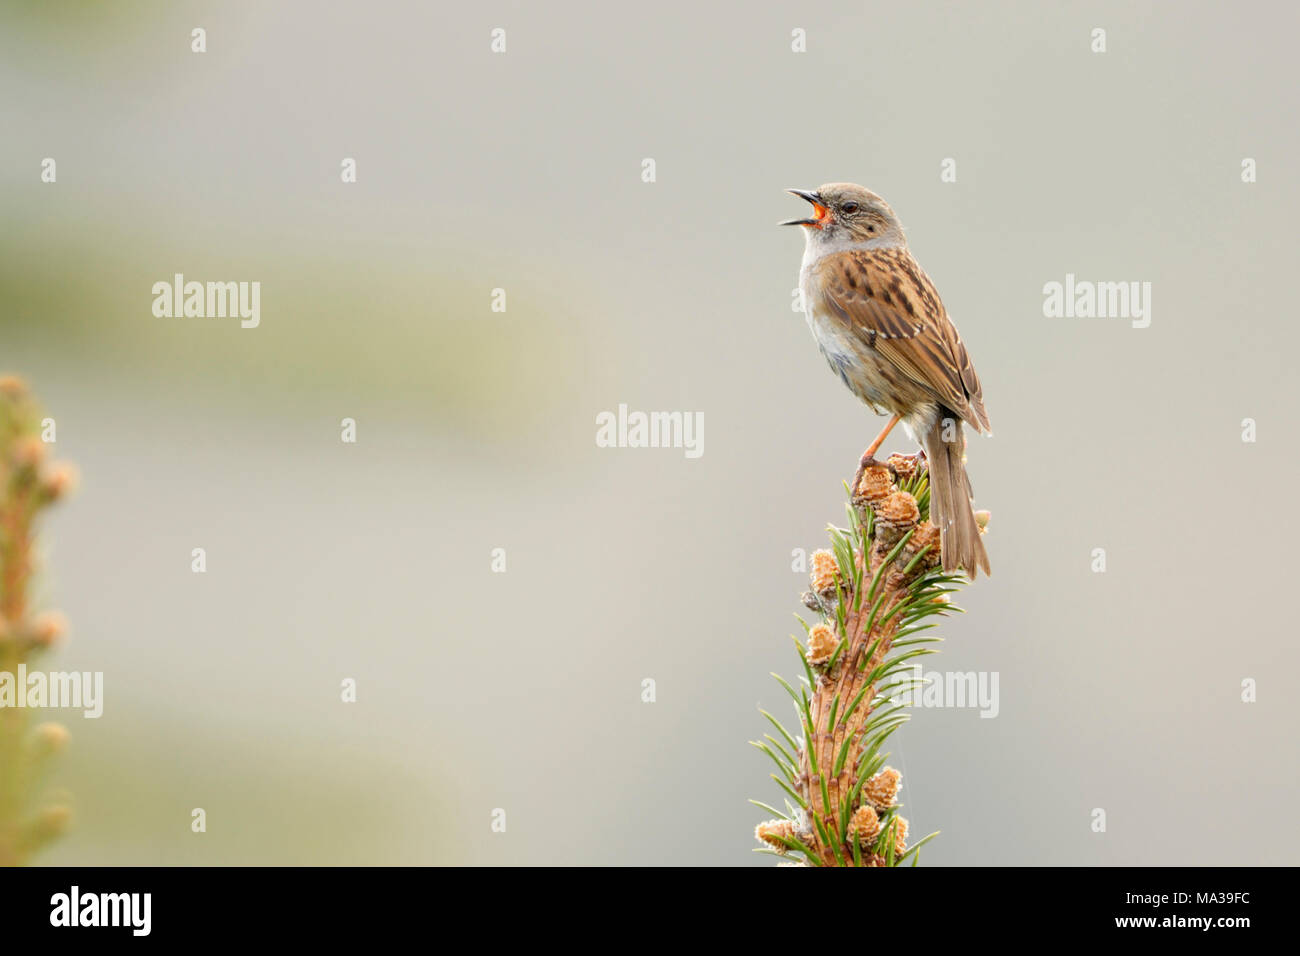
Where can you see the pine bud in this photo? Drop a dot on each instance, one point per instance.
(881, 791)
(821, 644)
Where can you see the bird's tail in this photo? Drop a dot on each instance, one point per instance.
(950, 508)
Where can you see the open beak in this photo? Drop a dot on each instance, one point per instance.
(820, 212)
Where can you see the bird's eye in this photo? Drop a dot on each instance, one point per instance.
(850, 207)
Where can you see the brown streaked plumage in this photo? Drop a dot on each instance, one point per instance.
(884, 330)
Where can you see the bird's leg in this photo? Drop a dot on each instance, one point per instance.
(868, 456)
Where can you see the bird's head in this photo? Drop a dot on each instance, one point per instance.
(847, 212)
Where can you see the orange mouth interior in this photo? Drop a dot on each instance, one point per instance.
(821, 214)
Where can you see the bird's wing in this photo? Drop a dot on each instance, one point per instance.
(892, 306)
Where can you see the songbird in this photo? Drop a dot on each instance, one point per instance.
(883, 329)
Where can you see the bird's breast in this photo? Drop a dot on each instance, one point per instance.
(860, 366)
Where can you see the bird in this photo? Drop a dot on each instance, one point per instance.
(883, 329)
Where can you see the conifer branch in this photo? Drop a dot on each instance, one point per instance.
(874, 591)
(28, 485)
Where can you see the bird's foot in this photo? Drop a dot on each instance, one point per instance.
(868, 461)
(900, 467)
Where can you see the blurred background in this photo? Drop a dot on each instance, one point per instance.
(475, 429)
